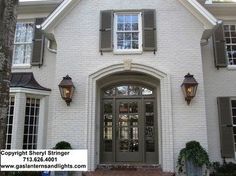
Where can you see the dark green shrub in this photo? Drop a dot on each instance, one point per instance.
(63, 145)
(226, 169)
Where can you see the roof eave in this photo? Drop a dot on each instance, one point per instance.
(57, 14)
(202, 14)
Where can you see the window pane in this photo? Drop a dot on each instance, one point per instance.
(127, 44)
(20, 32)
(135, 36)
(128, 26)
(120, 36)
(135, 26)
(120, 26)
(128, 19)
(146, 91)
(128, 36)
(19, 54)
(29, 33)
(121, 19)
(135, 19)
(122, 90)
(135, 45)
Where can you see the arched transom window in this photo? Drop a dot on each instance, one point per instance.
(128, 90)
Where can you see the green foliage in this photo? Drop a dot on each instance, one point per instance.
(63, 145)
(227, 169)
(194, 152)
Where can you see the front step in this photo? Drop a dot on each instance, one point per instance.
(127, 170)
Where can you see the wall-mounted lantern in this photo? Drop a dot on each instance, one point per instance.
(189, 87)
(66, 88)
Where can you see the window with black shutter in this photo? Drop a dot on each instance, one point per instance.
(28, 43)
(127, 32)
(226, 112)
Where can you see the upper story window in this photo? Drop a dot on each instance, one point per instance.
(28, 44)
(127, 32)
(230, 41)
(23, 43)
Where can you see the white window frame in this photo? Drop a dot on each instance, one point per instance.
(230, 67)
(25, 65)
(35, 126)
(128, 51)
(10, 106)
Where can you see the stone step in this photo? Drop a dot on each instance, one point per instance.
(127, 173)
(127, 170)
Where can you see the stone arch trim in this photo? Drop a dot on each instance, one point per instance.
(166, 141)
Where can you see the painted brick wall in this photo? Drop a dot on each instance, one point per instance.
(218, 83)
(178, 39)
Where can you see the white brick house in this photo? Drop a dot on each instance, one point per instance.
(127, 60)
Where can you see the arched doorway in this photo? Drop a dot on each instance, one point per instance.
(129, 123)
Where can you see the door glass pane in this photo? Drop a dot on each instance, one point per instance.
(133, 146)
(124, 133)
(134, 133)
(149, 120)
(150, 146)
(124, 146)
(107, 131)
(107, 120)
(149, 132)
(133, 107)
(123, 120)
(108, 145)
(123, 108)
(149, 107)
(133, 120)
(108, 107)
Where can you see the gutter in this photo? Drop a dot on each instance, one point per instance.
(38, 2)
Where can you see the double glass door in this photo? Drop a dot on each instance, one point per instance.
(128, 131)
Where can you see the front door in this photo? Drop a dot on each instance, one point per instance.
(128, 130)
(128, 125)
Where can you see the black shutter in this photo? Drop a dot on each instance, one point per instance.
(149, 30)
(226, 127)
(38, 44)
(106, 31)
(219, 47)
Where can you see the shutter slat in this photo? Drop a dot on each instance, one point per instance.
(38, 44)
(219, 47)
(149, 30)
(226, 128)
(106, 31)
